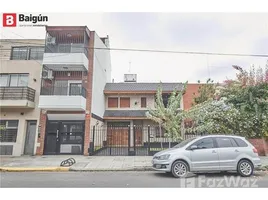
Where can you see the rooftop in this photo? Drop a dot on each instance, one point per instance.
(141, 87)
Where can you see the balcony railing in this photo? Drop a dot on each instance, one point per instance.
(66, 48)
(63, 90)
(17, 93)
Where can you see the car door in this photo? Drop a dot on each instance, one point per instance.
(205, 157)
(228, 152)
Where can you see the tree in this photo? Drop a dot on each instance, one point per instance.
(205, 92)
(170, 117)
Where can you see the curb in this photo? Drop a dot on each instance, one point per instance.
(111, 170)
(34, 169)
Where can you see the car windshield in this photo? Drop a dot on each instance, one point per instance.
(183, 143)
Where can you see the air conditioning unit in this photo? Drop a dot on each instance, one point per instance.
(51, 40)
(47, 74)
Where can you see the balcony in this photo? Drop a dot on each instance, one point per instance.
(71, 57)
(63, 98)
(17, 97)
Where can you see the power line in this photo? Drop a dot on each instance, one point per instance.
(163, 51)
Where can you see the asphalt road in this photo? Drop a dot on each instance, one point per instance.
(126, 180)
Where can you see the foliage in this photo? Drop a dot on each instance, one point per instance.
(170, 117)
(241, 109)
(205, 92)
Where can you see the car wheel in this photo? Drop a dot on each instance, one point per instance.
(245, 168)
(179, 169)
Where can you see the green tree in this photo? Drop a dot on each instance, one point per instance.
(205, 92)
(169, 117)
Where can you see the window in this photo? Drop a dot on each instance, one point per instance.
(4, 80)
(225, 142)
(165, 99)
(27, 53)
(8, 130)
(75, 89)
(240, 142)
(205, 143)
(185, 142)
(143, 102)
(124, 102)
(14, 80)
(112, 102)
(36, 53)
(19, 53)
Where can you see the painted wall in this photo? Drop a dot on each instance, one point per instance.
(21, 66)
(59, 102)
(101, 75)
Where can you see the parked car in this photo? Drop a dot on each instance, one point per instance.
(215, 153)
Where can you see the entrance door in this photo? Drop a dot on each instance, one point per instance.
(64, 137)
(30, 138)
(52, 138)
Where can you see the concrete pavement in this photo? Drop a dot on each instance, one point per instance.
(83, 163)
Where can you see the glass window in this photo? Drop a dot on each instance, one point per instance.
(4, 80)
(19, 53)
(224, 142)
(36, 53)
(205, 143)
(23, 80)
(8, 130)
(14, 80)
(184, 142)
(240, 142)
(143, 102)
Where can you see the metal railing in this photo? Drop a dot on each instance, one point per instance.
(63, 90)
(66, 48)
(16, 93)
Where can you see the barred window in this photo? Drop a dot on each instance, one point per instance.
(8, 130)
(27, 53)
(36, 53)
(19, 53)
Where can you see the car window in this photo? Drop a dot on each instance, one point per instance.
(183, 143)
(225, 142)
(240, 142)
(205, 143)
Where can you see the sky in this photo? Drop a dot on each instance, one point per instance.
(238, 33)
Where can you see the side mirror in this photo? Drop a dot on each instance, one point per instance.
(193, 147)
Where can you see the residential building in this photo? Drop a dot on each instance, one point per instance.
(21, 65)
(76, 67)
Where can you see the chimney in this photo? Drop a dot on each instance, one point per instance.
(130, 78)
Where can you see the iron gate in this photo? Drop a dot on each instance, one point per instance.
(128, 140)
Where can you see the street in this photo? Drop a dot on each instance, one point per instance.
(127, 180)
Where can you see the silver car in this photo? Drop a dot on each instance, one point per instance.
(209, 153)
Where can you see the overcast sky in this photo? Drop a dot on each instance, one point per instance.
(211, 32)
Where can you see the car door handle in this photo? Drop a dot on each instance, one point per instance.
(213, 151)
(236, 150)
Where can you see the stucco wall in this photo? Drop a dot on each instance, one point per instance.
(21, 66)
(101, 75)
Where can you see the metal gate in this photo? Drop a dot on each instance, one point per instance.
(126, 140)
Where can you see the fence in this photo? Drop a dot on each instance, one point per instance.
(129, 140)
(16, 93)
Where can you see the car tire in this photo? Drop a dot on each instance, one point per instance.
(245, 168)
(179, 169)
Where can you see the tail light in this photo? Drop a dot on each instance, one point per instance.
(255, 150)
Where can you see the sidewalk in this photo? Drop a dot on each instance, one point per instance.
(83, 163)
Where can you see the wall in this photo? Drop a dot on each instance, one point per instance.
(21, 66)
(188, 96)
(261, 145)
(101, 75)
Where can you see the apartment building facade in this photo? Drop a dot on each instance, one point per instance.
(20, 69)
(74, 74)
